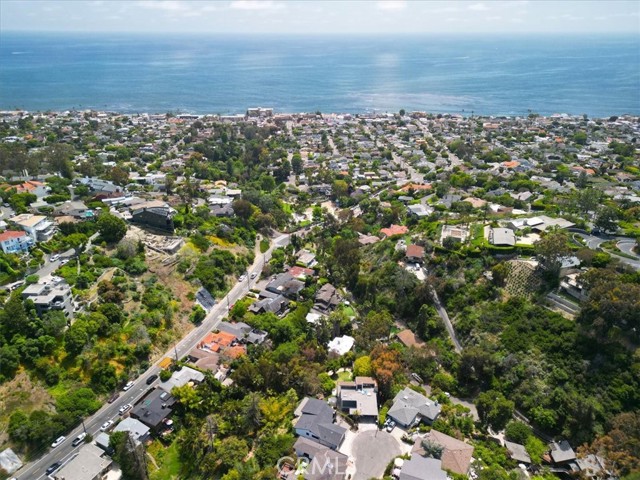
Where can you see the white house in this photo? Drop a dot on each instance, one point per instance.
(13, 241)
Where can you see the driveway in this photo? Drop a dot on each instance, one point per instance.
(372, 450)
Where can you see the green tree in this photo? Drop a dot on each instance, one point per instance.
(362, 366)
(296, 163)
(339, 189)
(494, 409)
(550, 251)
(607, 219)
(130, 455)
(580, 137)
(517, 432)
(535, 448)
(112, 229)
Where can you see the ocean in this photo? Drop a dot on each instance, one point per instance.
(490, 75)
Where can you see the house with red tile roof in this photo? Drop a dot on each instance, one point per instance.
(394, 230)
(13, 241)
(511, 164)
(415, 187)
(415, 253)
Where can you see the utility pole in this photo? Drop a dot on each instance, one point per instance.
(83, 427)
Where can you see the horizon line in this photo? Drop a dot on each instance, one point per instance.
(330, 34)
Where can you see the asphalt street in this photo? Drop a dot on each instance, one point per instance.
(625, 244)
(65, 452)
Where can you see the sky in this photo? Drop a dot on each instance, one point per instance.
(322, 17)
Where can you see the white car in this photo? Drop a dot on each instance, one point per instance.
(254, 275)
(58, 442)
(124, 409)
(242, 278)
(128, 386)
(106, 425)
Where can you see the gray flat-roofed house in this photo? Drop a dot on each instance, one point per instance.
(410, 408)
(422, 468)
(355, 399)
(182, 377)
(138, 430)
(502, 237)
(315, 422)
(50, 293)
(88, 464)
(517, 452)
(561, 452)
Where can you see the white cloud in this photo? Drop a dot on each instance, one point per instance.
(478, 7)
(255, 5)
(393, 5)
(166, 5)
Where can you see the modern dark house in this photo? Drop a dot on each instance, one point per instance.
(285, 284)
(315, 422)
(154, 409)
(155, 216)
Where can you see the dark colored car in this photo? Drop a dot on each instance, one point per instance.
(113, 397)
(152, 379)
(53, 467)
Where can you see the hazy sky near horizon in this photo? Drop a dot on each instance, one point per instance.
(321, 17)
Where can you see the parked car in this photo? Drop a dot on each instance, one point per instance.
(113, 397)
(79, 439)
(58, 441)
(391, 425)
(152, 379)
(124, 409)
(128, 386)
(106, 425)
(53, 467)
(53, 258)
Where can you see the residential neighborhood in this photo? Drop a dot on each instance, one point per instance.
(323, 296)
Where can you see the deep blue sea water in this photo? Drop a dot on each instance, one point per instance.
(596, 75)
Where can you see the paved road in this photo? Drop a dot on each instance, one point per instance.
(624, 244)
(372, 451)
(445, 318)
(36, 469)
(413, 175)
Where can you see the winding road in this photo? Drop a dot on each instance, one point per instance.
(625, 244)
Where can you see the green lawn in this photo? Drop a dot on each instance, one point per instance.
(167, 459)
(477, 235)
(344, 377)
(349, 311)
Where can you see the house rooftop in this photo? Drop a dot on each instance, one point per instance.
(456, 456)
(517, 452)
(422, 468)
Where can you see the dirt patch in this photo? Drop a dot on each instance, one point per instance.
(168, 276)
(24, 394)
